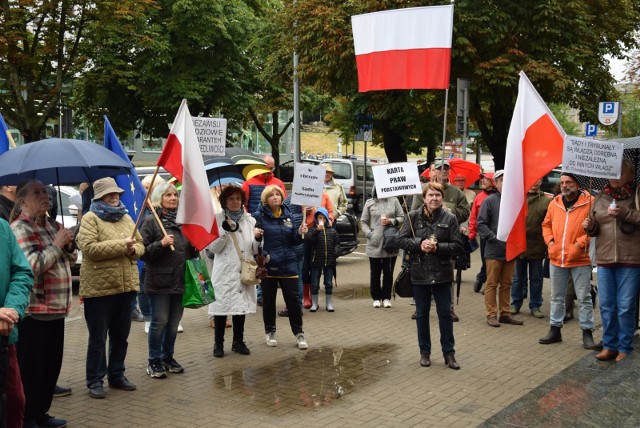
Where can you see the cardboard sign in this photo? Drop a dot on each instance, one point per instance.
(212, 135)
(308, 185)
(592, 158)
(395, 179)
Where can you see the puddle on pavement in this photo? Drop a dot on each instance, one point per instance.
(308, 380)
(352, 293)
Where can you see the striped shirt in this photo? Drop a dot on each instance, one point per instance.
(51, 266)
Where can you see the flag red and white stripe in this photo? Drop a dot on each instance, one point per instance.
(403, 48)
(182, 158)
(534, 147)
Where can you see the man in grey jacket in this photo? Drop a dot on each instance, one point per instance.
(499, 269)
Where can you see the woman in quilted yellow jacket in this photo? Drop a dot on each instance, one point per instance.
(108, 283)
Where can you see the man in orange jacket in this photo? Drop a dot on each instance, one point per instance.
(568, 248)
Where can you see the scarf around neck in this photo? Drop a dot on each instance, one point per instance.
(108, 213)
(619, 194)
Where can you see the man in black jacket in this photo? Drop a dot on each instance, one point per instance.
(499, 269)
(432, 238)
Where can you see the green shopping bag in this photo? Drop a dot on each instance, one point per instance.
(198, 290)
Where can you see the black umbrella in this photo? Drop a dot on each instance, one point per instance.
(60, 161)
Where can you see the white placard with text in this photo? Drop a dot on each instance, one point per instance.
(212, 135)
(592, 158)
(395, 179)
(308, 185)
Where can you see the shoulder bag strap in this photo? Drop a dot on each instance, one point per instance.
(235, 244)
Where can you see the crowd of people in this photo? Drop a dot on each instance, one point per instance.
(300, 245)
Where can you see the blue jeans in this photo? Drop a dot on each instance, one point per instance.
(442, 295)
(582, 283)
(327, 273)
(519, 285)
(107, 315)
(618, 289)
(166, 313)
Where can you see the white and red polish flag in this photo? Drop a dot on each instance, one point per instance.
(534, 147)
(182, 158)
(403, 48)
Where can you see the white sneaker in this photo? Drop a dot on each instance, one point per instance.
(386, 303)
(180, 327)
(271, 339)
(301, 341)
(147, 324)
(376, 303)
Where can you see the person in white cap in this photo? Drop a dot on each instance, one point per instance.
(335, 191)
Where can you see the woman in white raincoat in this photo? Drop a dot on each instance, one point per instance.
(232, 297)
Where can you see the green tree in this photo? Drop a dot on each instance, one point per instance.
(43, 47)
(560, 45)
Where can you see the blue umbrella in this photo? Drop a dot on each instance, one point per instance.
(60, 161)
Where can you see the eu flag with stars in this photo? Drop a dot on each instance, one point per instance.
(134, 193)
(6, 140)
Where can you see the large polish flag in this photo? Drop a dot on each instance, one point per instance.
(403, 48)
(534, 147)
(182, 158)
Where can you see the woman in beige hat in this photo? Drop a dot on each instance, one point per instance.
(108, 284)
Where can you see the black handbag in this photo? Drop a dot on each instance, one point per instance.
(390, 236)
(402, 284)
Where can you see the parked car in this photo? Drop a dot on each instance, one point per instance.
(347, 227)
(68, 216)
(550, 180)
(286, 169)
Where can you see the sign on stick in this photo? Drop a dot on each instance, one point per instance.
(396, 179)
(308, 185)
(212, 135)
(592, 158)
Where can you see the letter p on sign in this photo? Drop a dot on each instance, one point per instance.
(608, 112)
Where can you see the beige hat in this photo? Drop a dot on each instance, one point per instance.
(327, 167)
(104, 186)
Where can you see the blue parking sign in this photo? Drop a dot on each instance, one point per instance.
(608, 112)
(591, 130)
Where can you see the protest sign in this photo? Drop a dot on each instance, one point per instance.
(212, 135)
(308, 185)
(592, 158)
(395, 179)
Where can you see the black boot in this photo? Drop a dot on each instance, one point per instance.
(588, 343)
(554, 336)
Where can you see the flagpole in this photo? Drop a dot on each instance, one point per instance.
(444, 124)
(146, 201)
(155, 215)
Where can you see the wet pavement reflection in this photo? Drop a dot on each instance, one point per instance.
(588, 393)
(308, 380)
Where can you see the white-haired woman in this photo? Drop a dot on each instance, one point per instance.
(164, 279)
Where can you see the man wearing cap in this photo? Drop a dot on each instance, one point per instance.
(529, 263)
(335, 191)
(488, 188)
(499, 269)
(453, 200)
(568, 245)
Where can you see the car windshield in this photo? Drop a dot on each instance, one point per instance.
(341, 170)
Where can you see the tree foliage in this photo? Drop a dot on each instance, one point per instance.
(43, 47)
(560, 45)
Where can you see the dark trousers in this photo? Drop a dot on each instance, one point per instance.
(442, 295)
(289, 288)
(107, 315)
(14, 390)
(143, 300)
(381, 266)
(482, 275)
(40, 351)
(237, 322)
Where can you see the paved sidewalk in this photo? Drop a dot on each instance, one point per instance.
(362, 368)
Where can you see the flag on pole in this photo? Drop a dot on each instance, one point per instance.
(403, 48)
(6, 140)
(534, 147)
(181, 157)
(134, 192)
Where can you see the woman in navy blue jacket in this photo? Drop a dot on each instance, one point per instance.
(281, 234)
